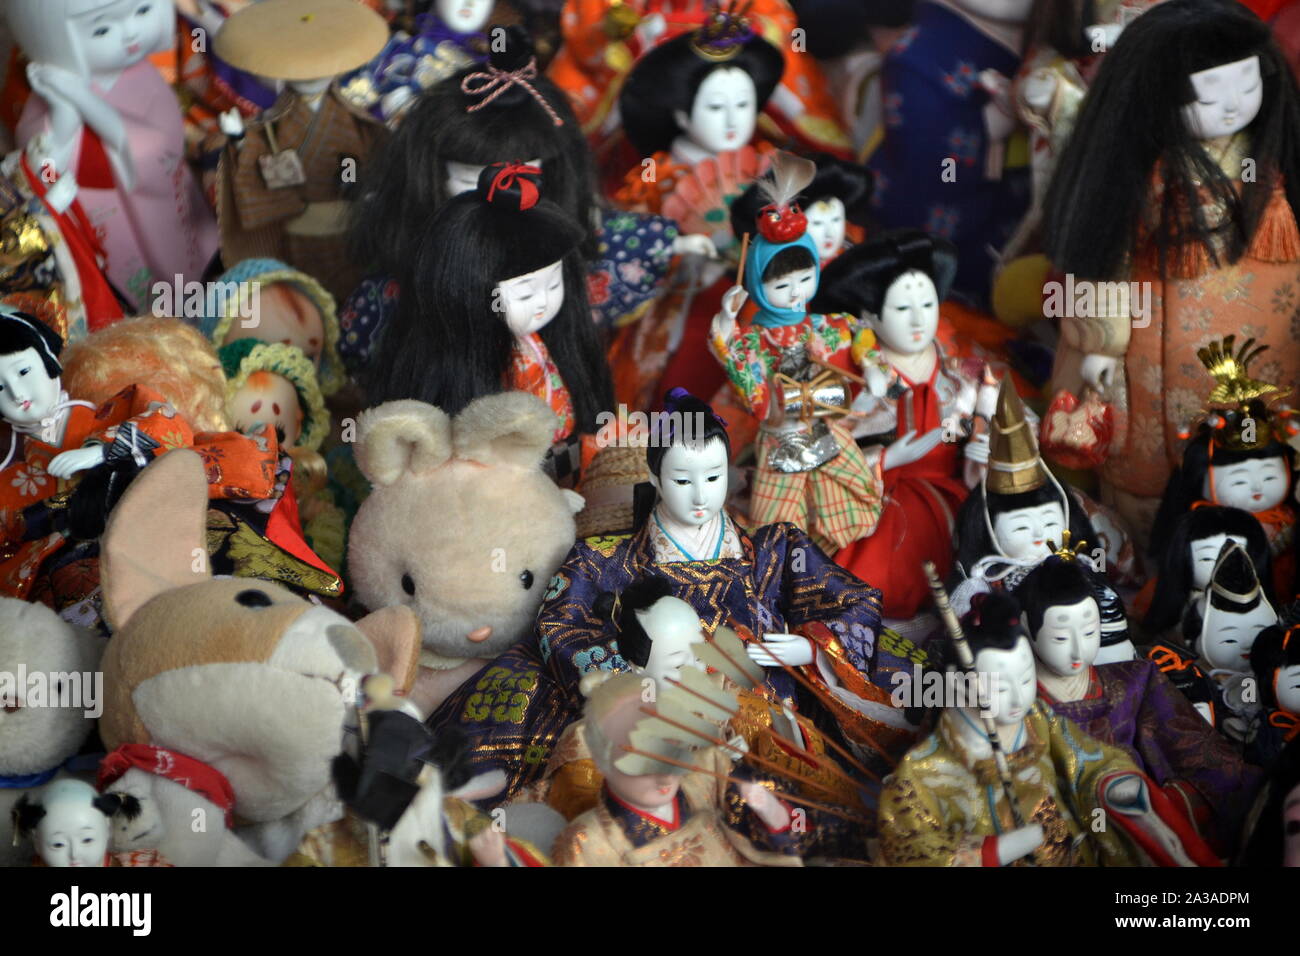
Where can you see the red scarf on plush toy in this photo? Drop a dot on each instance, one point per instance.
(191, 774)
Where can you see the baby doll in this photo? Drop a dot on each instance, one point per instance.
(1275, 661)
(70, 823)
(1129, 704)
(783, 368)
(947, 804)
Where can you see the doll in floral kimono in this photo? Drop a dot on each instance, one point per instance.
(115, 126)
(1275, 661)
(1130, 704)
(1190, 126)
(947, 804)
(784, 368)
(495, 299)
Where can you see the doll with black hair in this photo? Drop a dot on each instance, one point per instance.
(946, 804)
(496, 300)
(810, 471)
(837, 203)
(1275, 661)
(1192, 128)
(1240, 457)
(70, 823)
(1129, 704)
(1174, 599)
(1272, 833)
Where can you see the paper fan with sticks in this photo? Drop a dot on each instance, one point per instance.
(701, 200)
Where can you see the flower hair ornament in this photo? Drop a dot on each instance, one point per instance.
(517, 186)
(494, 80)
(724, 34)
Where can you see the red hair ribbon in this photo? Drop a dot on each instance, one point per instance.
(509, 175)
(1286, 722)
(493, 82)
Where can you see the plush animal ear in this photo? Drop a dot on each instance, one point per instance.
(399, 438)
(510, 428)
(26, 815)
(574, 500)
(128, 806)
(156, 538)
(395, 632)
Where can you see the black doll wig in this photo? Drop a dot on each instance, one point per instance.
(446, 346)
(789, 259)
(1054, 583)
(1131, 123)
(1061, 25)
(850, 183)
(973, 539)
(633, 641)
(1275, 648)
(1186, 485)
(858, 279)
(1174, 581)
(405, 183)
(667, 78)
(1264, 845)
(992, 623)
(685, 417)
(20, 331)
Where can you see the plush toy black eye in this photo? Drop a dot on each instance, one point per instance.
(526, 579)
(408, 584)
(253, 599)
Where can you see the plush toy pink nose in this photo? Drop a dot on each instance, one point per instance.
(480, 635)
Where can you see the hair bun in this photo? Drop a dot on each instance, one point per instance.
(515, 53)
(513, 186)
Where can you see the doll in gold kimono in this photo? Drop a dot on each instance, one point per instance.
(947, 804)
(666, 801)
(283, 182)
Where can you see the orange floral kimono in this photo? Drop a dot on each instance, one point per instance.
(139, 422)
(533, 370)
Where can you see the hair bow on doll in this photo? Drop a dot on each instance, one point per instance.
(514, 180)
(492, 82)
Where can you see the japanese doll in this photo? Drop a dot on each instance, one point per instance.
(1239, 457)
(496, 299)
(285, 180)
(1191, 110)
(602, 42)
(775, 584)
(784, 368)
(951, 158)
(1130, 704)
(113, 124)
(948, 805)
(70, 823)
(916, 411)
(1275, 661)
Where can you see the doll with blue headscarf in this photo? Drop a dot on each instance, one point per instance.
(785, 366)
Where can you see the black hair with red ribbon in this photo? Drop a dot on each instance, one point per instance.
(514, 186)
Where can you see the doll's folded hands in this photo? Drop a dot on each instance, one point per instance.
(69, 463)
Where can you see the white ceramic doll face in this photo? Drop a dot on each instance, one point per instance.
(1069, 637)
(692, 483)
(27, 393)
(530, 301)
(672, 626)
(465, 16)
(114, 36)
(1288, 688)
(1024, 532)
(1012, 681)
(1204, 553)
(909, 316)
(794, 290)
(1256, 484)
(463, 177)
(73, 831)
(826, 224)
(724, 112)
(1228, 98)
(267, 399)
(1227, 636)
(650, 792)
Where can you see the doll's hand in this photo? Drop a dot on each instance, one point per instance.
(777, 649)
(696, 244)
(489, 848)
(1015, 844)
(1099, 371)
(734, 301)
(972, 472)
(232, 123)
(79, 459)
(765, 805)
(54, 82)
(910, 448)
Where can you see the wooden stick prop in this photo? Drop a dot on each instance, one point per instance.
(812, 804)
(740, 269)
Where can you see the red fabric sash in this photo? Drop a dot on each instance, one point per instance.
(191, 774)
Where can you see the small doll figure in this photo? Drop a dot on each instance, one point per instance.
(284, 181)
(112, 123)
(1240, 457)
(784, 368)
(947, 803)
(1129, 704)
(942, 165)
(1174, 601)
(915, 412)
(69, 822)
(1275, 661)
(1189, 126)
(1216, 675)
(496, 300)
(668, 801)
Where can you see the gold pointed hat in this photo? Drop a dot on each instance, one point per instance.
(1241, 412)
(1014, 463)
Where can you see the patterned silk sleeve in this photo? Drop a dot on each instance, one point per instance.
(572, 638)
(140, 424)
(912, 828)
(747, 367)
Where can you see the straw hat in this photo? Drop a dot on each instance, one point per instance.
(1014, 463)
(301, 39)
(608, 488)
